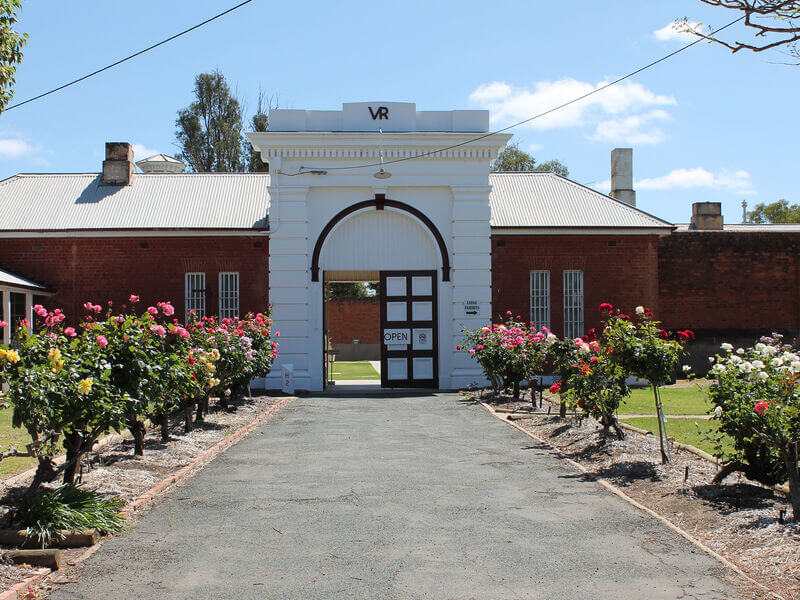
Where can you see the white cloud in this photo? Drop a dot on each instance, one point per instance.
(625, 100)
(633, 130)
(15, 148)
(140, 151)
(739, 181)
(677, 31)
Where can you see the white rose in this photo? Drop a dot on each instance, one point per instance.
(762, 376)
(711, 359)
(718, 412)
(796, 366)
(727, 347)
(760, 347)
(776, 362)
(686, 368)
(757, 364)
(640, 310)
(740, 351)
(736, 360)
(745, 367)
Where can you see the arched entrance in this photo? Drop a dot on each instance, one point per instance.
(402, 250)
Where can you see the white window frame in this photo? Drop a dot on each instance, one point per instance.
(195, 294)
(228, 294)
(540, 299)
(573, 304)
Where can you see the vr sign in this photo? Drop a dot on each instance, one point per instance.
(399, 337)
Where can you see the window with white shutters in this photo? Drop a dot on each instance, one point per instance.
(195, 284)
(573, 304)
(540, 298)
(228, 295)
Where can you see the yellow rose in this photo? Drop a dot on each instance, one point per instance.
(85, 386)
(12, 355)
(57, 366)
(54, 354)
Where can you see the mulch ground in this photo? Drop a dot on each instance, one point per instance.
(115, 470)
(739, 519)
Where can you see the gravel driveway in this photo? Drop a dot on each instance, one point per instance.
(371, 498)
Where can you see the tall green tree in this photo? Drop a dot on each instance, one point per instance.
(11, 44)
(209, 130)
(258, 122)
(776, 212)
(514, 160)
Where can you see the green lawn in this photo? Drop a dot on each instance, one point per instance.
(687, 431)
(676, 400)
(11, 436)
(360, 369)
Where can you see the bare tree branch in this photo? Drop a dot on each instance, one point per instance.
(776, 22)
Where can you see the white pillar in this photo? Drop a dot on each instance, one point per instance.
(472, 275)
(29, 311)
(289, 281)
(6, 299)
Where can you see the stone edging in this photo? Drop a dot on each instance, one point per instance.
(150, 495)
(618, 492)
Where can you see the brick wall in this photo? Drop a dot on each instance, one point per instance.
(99, 269)
(620, 269)
(353, 318)
(732, 281)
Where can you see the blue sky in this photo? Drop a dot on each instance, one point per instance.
(705, 126)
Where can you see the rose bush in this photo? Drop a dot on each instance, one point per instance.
(756, 398)
(593, 370)
(69, 385)
(592, 381)
(508, 353)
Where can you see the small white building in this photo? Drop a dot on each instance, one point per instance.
(345, 199)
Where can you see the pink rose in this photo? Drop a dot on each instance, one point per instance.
(167, 309)
(87, 305)
(133, 298)
(97, 308)
(102, 341)
(152, 310)
(158, 330)
(69, 331)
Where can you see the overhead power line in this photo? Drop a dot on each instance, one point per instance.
(127, 58)
(529, 119)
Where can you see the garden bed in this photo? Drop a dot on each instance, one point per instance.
(738, 519)
(115, 470)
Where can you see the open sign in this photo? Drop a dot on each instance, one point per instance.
(400, 337)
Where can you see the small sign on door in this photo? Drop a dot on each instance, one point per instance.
(397, 337)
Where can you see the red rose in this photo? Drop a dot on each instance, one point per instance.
(663, 333)
(689, 333)
(761, 407)
(606, 308)
(624, 317)
(555, 388)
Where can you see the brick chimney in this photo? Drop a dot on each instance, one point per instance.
(706, 216)
(622, 175)
(118, 166)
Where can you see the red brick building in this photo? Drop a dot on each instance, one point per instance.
(558, 249)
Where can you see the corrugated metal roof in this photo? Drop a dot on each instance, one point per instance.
(12, 280)
(745, 228)
(549, 200)
(65, 202)
(60, 202)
